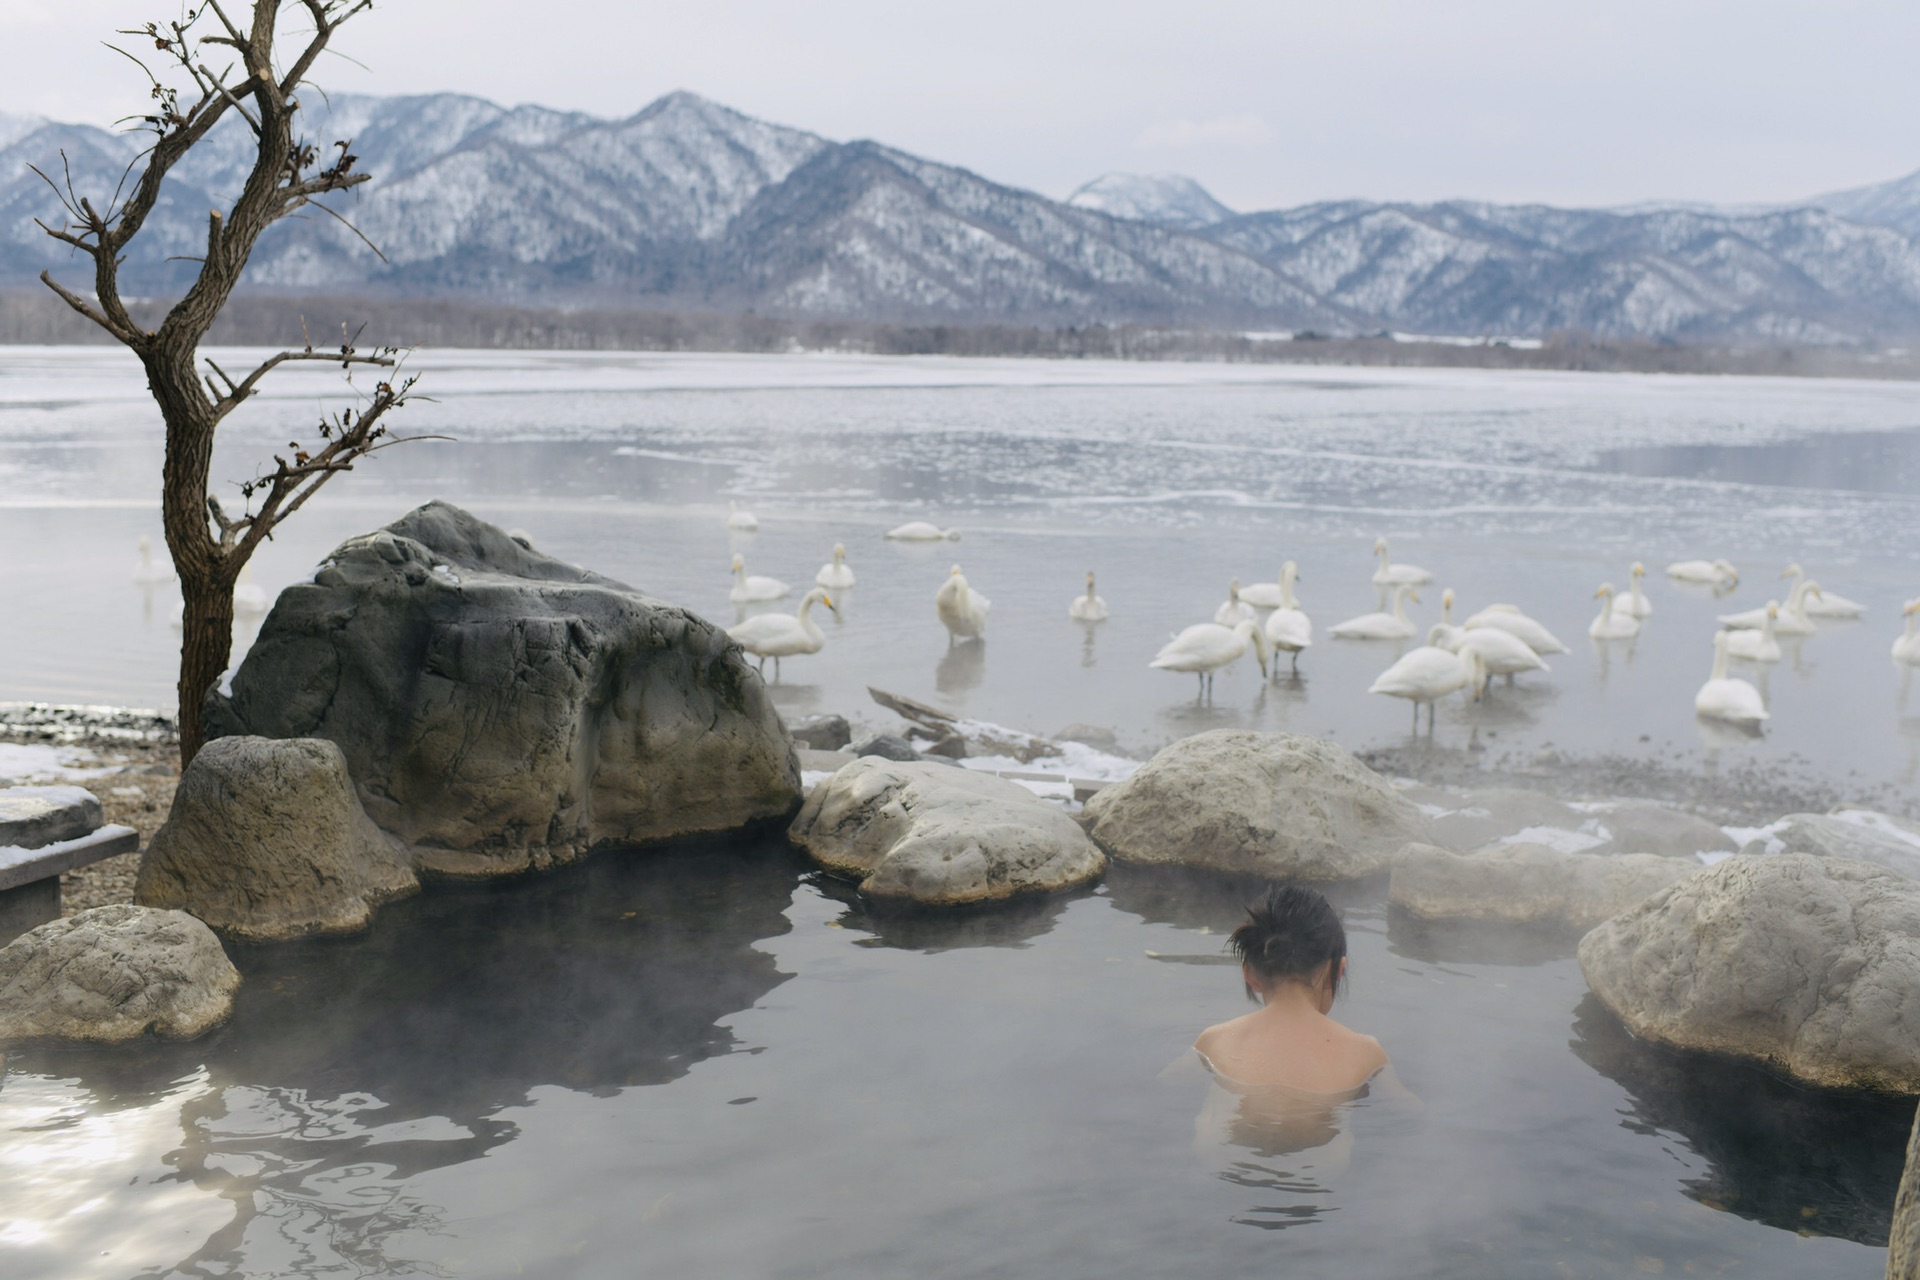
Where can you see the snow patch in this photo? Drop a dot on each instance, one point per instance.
(1558, 838)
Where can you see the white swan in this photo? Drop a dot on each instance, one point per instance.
(1714, 573)
(1205, 647)
(961, 609)
(740, 521)
(1612, 624)
(921, 531)
(1504, 617)
(1089, 607)
(1394, 575)
(1791, 619)
(1725, 698)
(1289, 630)
(1907, 647)
(150, 572)
(1827, 606)
(747, 589)
(1504, 653)
(1634, 604)
(1425, 675)
(1270, 595)
(250, 600)
(835, 574)
(1381, 626)
(781, 635)
(1235, 610)
(1757, 646)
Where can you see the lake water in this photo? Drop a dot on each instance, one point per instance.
(709, 1059)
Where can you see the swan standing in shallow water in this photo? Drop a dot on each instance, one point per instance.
(1907, 647)
(1205, 647)
(1504, 653)
(1381, 626)
(1504, 617)
(1728, 698)
(1235, 611)
(1612, 624)
(740, 521)
(748, 589)
(961, 609)
(781, 635)
(1827, 606)
(835, 574)
(1425, 675)
(1088, 607)
(1634, 604)
(1270, 595)
(150, 572)
(1289, 630)
(1713, 573)
(1395, 575)
(1790, 620)
(921, 531)
(1757, 646)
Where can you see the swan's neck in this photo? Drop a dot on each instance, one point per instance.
(1766, 628)
(1797, 598)
(1400, 603)
(1446, 612)
(1913, 623)
(740, 573)
(1089, 590)
(805, 616)
(1286, 588)
(1383, 557)
(1606, 608)
(1719, 660)
(1637, 598)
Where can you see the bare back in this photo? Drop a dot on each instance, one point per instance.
(1292, 1048)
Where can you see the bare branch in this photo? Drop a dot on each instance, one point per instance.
(80, 304)
(238, 393)
(315, 204)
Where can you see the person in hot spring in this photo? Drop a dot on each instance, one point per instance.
(1286, 1070)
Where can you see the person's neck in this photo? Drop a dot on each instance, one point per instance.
(1290, 999)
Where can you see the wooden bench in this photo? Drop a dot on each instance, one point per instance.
(47, 832)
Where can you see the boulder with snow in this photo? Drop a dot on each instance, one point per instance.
(1278, 805)
(1518, 883)
(1808, 965)
(937, 835)
(1886, 841)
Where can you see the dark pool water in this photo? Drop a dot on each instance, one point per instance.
(708, 1061)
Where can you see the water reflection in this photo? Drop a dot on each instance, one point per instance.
(1450, 942)
(962, 667)
(351, 1066)
(1797, 1159)
(998, 924)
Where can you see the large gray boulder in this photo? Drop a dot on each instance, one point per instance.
(501, 710)
(1809, 965)
(267, 840)
(1472, 819)
(1272, 804)
(941, 836)
(114, 974)
(1861, 834)
(1526, 883)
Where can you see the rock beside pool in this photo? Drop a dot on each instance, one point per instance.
(1634, 826)
(267, 840)
(1277, 805)
(35, 817)
(114, 974)
(886, 746)
(940, 836)
(501, 710)
(1903, 1241)
(1473, 819)
(1808, 965)
(1526, 883)
(1885, 841)
(821, 733)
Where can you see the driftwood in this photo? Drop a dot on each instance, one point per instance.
(948, 739)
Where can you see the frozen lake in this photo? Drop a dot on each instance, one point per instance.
(712, 1061)
(1168, 480)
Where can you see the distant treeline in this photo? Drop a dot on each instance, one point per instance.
(258, 320)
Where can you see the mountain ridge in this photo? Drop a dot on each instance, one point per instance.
(690, 204)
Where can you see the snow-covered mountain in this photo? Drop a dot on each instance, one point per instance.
(1166, 198)
(1893, 204)
(690, 205)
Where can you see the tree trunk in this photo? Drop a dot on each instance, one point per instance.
(207, 570)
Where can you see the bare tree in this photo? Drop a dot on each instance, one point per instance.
(191, 94)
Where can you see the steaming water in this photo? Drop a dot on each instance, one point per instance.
(708, 1059)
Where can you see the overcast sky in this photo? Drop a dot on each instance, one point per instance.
(1266, 102)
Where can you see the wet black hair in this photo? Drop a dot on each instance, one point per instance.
(1293, 932)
